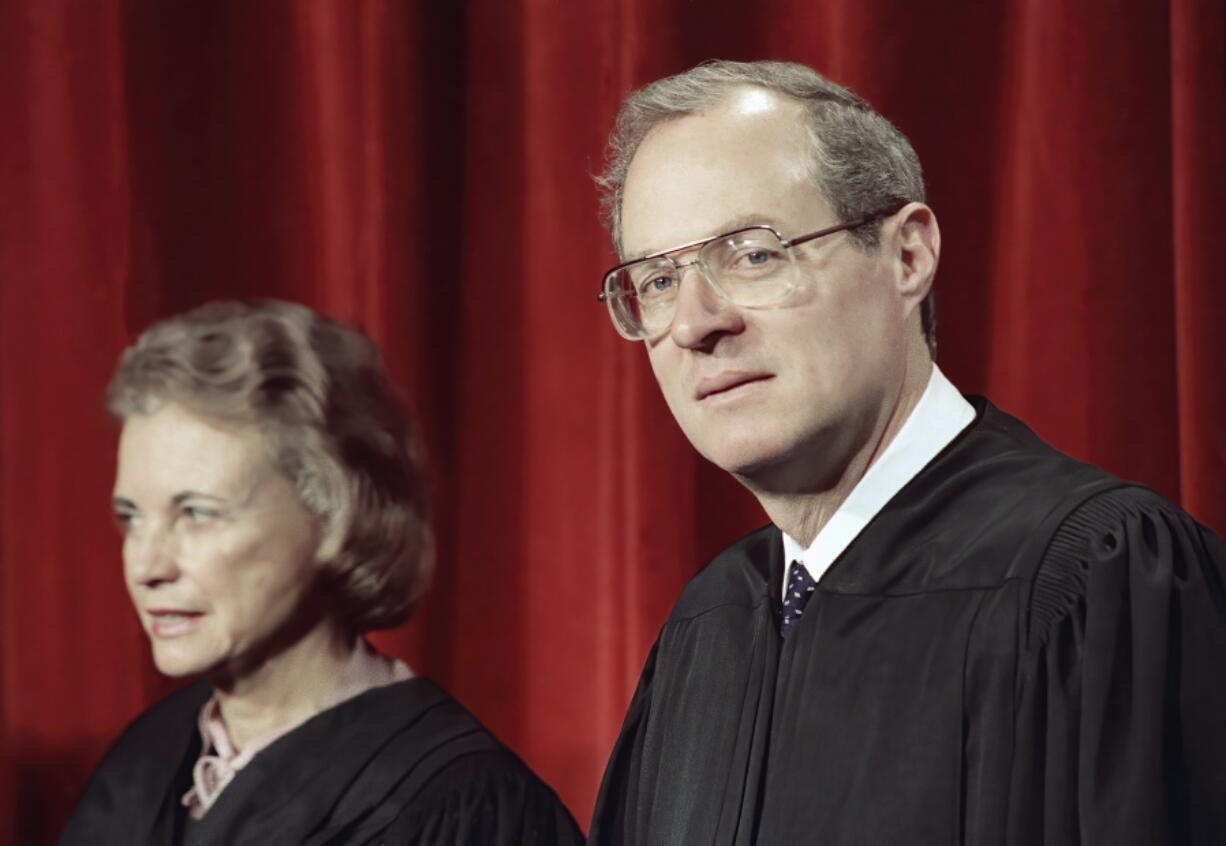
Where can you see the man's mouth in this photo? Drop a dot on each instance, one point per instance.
(729, 380)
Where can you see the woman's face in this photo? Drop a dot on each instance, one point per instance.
(218, 551)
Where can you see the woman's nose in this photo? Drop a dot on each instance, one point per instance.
(150, 555)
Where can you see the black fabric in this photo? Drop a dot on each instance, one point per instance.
(403, 763)
(1019, 649)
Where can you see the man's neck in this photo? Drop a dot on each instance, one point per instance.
(803, 513)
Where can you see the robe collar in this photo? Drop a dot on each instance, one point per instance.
(937, 419)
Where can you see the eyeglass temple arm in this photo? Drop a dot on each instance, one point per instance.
(844, 226)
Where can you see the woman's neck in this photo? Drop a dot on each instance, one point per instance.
(291, 686)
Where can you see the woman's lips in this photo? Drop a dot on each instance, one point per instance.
(166, 622)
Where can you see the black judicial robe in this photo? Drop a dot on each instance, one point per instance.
(400, 764)
(1018, 650)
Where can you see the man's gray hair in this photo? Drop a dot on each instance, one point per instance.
(861, 163)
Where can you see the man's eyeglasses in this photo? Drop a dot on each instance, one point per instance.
(751, 267)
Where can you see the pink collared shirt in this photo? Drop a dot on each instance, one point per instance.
(219, 761)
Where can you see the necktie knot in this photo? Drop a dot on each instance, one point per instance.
(800, 588)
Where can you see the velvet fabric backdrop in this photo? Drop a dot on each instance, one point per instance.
(423, 169)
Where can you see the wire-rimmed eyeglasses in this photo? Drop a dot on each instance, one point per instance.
(751, 267)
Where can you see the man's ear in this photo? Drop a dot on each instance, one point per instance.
(916, 242)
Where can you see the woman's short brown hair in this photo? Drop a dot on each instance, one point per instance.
(333, 424)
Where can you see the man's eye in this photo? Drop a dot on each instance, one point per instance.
(655, 286)
(756, 258)
(124, 521)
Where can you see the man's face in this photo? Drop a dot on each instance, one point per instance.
(783, 396)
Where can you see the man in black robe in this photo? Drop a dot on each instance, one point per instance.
(399, 764)
(951, 633)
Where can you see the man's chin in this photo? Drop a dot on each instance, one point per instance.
(773, 467)
(747, 461)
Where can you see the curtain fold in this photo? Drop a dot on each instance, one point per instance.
(424, 170)
(1198, 132)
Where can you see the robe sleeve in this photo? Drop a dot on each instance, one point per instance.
(484, 798)
(613, 820)
(1122, 687)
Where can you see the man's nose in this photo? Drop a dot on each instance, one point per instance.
(150, 556)
(703, 314)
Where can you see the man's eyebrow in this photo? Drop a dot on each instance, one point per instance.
(744, 221)
(120, 502)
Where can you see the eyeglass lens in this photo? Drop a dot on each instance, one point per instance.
(749, 268)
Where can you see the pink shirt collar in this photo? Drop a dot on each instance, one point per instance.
(219, 761)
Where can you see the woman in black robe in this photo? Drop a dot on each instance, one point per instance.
(272, 509)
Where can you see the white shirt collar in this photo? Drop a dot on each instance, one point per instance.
(936, 420)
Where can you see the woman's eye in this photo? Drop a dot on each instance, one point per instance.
(198, 514)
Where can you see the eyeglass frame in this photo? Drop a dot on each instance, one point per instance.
(785, 243)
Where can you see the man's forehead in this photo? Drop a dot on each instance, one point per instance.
(746, 160)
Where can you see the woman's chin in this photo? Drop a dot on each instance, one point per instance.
(176, 660)
(177, 668)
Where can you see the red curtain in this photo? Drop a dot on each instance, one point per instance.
(423, 169)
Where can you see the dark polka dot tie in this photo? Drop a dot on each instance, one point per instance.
(800, 588)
